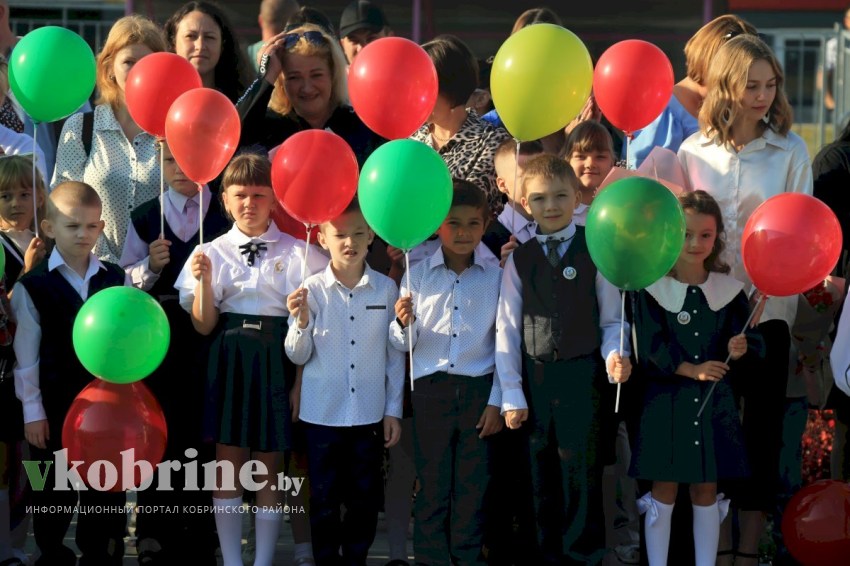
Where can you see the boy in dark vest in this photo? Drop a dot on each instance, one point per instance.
(560, 319)
(49, 376)
(154, 253)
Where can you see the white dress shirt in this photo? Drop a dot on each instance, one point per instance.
(28, 334)
(183, 220)
(509, 324)
(352, 375)
(125, 173)
(740, 182)
(517, 224)
(455, 327)
(13, 143)
(426, 250)
(258, 290)
(580, 214)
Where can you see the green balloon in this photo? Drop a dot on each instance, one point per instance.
(121, 334)
(635, 232)
(405, 192)
(51, 73)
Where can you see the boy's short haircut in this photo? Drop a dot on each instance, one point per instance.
(466, 193)
(550, 168)
(72, 193)
(353, 207)
(248, 170)
(508, 147)
(589, 136)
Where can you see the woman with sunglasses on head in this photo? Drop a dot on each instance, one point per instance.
(679, 119)
(744, 154)
(302, 86)
(201, 33)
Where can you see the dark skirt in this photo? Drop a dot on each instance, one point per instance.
(673, 445)
(247, 393)
(11, 410)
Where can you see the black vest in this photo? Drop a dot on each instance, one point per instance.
(560, 316)
(61, 375)
(146, 221)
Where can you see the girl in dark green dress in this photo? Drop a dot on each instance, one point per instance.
(687, 323)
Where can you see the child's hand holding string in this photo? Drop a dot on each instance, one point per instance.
(404, 311)
(159, 255)
(296, 302)
(737, 346)
(619, 368)
(34, 254)
(202, 268)
(507, 249)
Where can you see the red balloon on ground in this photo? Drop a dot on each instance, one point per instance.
(314, 176)
(791, 243)
(202, 128)
(153, 84)
(393, 87)
(108, 418)
(816, 524)
(632, 83)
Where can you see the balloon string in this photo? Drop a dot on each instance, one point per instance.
(201, 239)
(309, 228)
(622, 338)
(628, 150)
(412, 322)
(516, 178)
(729, 357)
(34, 185)
(162, 190)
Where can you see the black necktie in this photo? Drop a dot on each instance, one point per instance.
(252, 250)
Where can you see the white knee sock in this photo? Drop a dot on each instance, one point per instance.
(657, 522)
(5, 524)
(706, 534)
(228, 522)
(267, 529)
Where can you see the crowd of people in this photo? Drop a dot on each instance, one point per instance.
(503, 426)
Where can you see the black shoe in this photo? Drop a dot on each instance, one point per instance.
(397, 562)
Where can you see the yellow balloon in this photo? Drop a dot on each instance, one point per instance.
(541, 78)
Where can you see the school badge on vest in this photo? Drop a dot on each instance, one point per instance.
(684, 317)
(570, 273)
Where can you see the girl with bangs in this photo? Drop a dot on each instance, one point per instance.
(744, 154)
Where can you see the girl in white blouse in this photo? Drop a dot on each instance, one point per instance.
(744, 154)
(122, 164)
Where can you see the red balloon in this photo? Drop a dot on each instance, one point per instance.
(314, 175)
(154, 83)
(202, 128)
(285, 223)
(108, 418)
(791, 243)
(816, 524)
(393, 87)
(632, 83)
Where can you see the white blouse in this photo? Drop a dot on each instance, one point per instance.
(124, 174)
(740, 182)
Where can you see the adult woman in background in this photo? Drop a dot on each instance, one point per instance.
(201, 33)
(678, 121)
(122, 163)
(745, 154)
(465, 142)
(304, 86)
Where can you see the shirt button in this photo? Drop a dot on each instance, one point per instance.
(696, 333)
(695, 311)
(696, 357)
(693, 290)
(451, 365)
(352, 342)
(696, 400)
(457, 280)
(455, 308)
(696, 442)
(352, 317)
(352, 390)
(352, 366)
(696, 423)
(454, 335)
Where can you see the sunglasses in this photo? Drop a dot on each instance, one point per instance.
(290, 40)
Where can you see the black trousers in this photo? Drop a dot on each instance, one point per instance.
(100, 532)
(452, 466)
(565, 416)
(344, 469)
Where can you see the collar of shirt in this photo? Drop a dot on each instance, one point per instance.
(769, 137)
(179, 200)
(515, 222)
(563, 234)
(237, 237)
(330, 279)
(56, 261)
(438, 259)
(104, 118)
(719, 290)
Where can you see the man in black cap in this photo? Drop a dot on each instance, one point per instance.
(362, 22)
